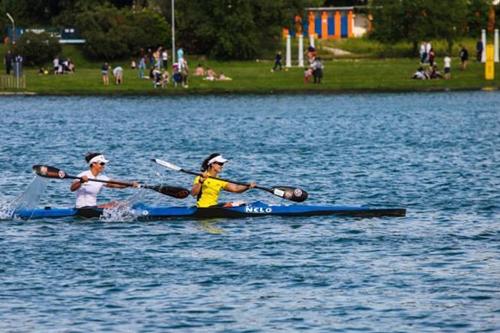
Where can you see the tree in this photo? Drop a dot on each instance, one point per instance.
(477, 18)
(417, 20)
(232, 29)
(38, 49)
(113, 33)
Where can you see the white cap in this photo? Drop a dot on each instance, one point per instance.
(98, 159)
(218, 159)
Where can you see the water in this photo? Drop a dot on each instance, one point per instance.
(437, 270)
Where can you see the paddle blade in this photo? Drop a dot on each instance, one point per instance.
(166, 164)
(48, 171)
(173, 191)
(290, 193)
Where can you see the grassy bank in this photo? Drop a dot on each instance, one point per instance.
(340, 75)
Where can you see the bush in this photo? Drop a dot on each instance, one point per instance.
(38, 49)
(112, 33)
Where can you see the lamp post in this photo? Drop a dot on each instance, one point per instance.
(13, 27)
(173, 32)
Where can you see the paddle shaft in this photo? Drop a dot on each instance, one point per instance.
(105, 181)
(226, 180)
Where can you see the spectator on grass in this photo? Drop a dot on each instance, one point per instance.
(423, 54)
(222, 77)
(479, 50)
(156, 77)
(176, 75)
(420, 74)
(118, 74)
(199, 71)
(428, 47)
(431, 56)
(308, 73)
(311, 54)
(164, 58)
(464, 57)
(211, 75)
(142, 67)
(105, 74)
(277, 62)
(184, 70)
(317, 67)
(55, 64)
(447, 68)
(434, 73)
(9, 57)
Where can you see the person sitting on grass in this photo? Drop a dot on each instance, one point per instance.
(434, 73)
(199, 71)
(156, 77)
(222, 77)
(165, 79)
(211, 75)
(308, 73)
(420, 74)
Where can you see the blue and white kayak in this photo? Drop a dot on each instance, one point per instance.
(255, 209)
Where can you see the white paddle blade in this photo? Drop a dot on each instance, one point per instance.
(167, 164)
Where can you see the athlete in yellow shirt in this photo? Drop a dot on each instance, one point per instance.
(207, 190)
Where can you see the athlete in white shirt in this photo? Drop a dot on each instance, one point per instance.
(86, 191)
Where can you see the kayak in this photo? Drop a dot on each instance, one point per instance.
(255, 209)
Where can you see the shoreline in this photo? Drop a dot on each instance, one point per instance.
(217, 92)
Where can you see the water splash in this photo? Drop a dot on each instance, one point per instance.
(29, 199)
(123, 211)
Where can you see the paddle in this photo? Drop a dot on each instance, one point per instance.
(285, 192)
(52, 172)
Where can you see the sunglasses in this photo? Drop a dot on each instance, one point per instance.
(219, 163)
(101, 163)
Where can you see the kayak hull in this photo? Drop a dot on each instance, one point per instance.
(256, 209)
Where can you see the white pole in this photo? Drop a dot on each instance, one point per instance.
(173, 32)
(483, 39)
(311, 40)
(288, 52)
(13, 27)
(496, 46)
(301, 50)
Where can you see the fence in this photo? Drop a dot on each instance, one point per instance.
(12, 82)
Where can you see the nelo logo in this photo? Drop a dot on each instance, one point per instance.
(258, 210)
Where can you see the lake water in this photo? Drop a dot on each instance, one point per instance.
(436, 270)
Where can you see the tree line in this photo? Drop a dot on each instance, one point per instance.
(234, 29)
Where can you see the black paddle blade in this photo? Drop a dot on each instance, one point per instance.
(173, 191)
(48, 171)
(290, 193)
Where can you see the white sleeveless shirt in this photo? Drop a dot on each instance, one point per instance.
(86, 195)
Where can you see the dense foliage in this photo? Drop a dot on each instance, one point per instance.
(113, 34)
(232, 29)
(418, 20)
(236, 29)
(38, 49)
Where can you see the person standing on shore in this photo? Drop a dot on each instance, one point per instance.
(464, 57)
(277, 62)
(8, 61)
(447, 68)
(105, 74)
(479, 50)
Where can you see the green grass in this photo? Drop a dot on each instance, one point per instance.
(340, 75)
